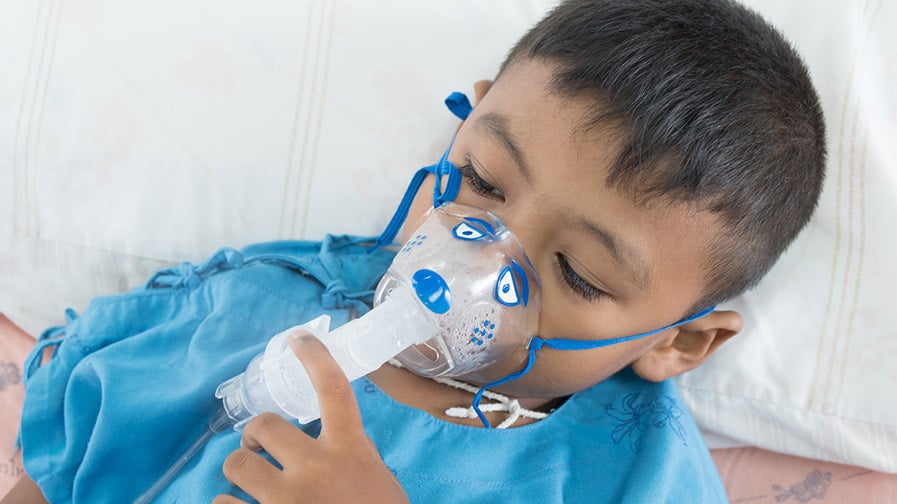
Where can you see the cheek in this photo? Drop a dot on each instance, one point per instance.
(573, 371)
(559, 373)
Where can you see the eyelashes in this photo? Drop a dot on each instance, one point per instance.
(579, 285)
(478, 184)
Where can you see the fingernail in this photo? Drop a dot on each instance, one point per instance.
(299, 336)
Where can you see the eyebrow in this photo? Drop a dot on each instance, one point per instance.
(495, 126)
(624, 254)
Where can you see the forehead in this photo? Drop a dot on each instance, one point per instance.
(523, 102)
(564, 173)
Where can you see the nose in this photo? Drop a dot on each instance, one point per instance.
(523, 222)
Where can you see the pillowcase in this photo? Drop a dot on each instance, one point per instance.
(134, 137)
(140, 135)
(813, 370)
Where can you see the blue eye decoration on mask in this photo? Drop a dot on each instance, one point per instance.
(472, 229)
(507, 291)
(506, 288)
(524, 283)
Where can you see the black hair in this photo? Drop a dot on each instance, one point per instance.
(717, 110)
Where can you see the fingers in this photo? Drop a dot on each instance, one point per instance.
(274, 434)
(251, 472)
(339, 409)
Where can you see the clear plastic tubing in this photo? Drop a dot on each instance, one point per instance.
(218, 423)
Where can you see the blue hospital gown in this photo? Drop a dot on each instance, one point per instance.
(131, 384)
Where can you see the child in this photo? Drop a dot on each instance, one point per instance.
(653, 157)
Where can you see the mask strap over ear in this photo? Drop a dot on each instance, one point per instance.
(538, 343)
(460, 106)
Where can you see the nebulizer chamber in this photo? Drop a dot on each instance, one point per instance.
(461, 299)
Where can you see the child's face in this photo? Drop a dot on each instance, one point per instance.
(608, 266)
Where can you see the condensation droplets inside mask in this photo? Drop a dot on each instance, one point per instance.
(488, 309)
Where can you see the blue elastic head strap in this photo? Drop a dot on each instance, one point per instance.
(538, 343)
(459, 105)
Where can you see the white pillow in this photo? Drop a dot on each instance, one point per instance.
(815, 368)
(137, 134)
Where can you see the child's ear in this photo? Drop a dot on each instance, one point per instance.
(688, 346)
(480, 88)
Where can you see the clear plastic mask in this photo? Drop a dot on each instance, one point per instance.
(475, 278)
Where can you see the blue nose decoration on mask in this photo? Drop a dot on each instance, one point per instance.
(432, 290)
(459, 105)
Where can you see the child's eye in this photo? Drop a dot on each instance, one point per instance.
(479, 185)
(579, 285)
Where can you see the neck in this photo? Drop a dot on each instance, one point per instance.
(435, 398)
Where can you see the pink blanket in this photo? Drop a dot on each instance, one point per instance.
(14, 346)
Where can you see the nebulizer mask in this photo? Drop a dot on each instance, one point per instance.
(461, 299)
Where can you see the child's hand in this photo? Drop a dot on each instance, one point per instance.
(341, 465)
